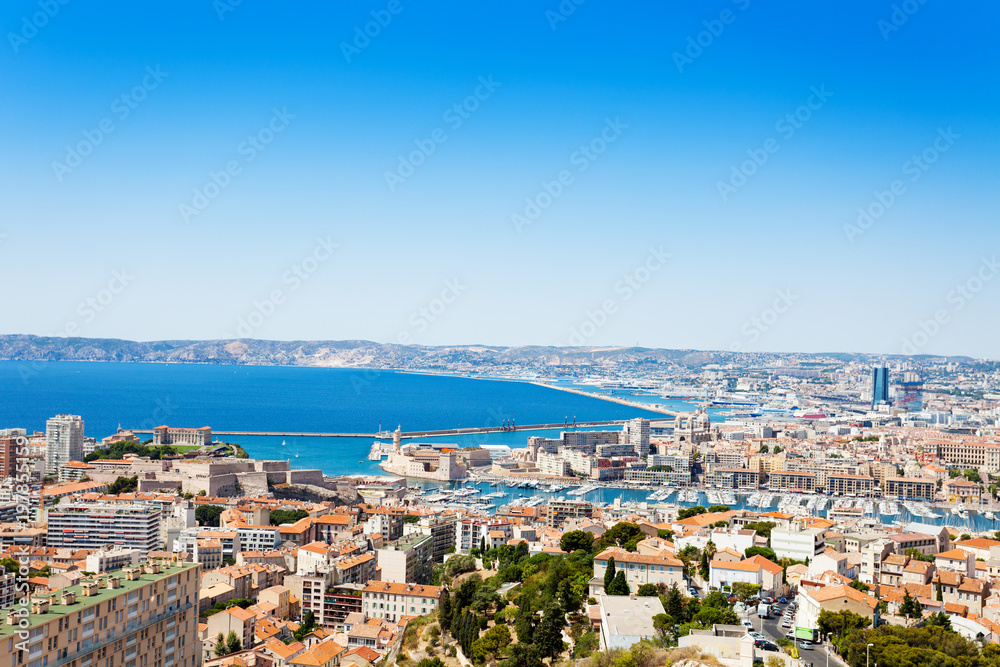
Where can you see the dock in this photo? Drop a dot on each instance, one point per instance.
(417, 434)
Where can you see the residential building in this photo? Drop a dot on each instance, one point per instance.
(135, 616)
(625, 620)
(910, 487)
(104, 560)
(391, 601)
(849, 485)
(641, 569)
(63, 441)
(792, 480)
(87, 526)
(407, 560)
(797, 542)
(441, 527)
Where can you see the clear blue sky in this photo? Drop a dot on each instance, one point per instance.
(671, 128)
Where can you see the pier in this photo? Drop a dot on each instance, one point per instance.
(418, 434)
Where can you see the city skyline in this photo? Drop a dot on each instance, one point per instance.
(724, 177)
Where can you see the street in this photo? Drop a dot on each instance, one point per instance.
(817, 655)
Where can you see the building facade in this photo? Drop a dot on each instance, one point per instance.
(63, 441)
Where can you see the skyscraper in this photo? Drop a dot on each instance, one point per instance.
(910, 396)
(637, 432)
(63, 441)
(880, 385)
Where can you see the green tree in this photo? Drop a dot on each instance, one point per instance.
(493, 643)
(548, 635)
(609, 575)
(664, 625)
(523, 655)
(648, 591)
(619, 586)
(718, 508)
(208, 515)
(575, 540)
(280, 517)
(763, 528)
(745, 591)
(220, 646)
(618, 535)
(910, 608)
(411, 518)
(123, 485)
(689, 512)
(859, 585)
(444, 610)
(764, 449)
(674, 603)
(766, 552)
(524, 625)
(233, 643)
(840, 623)
(939, 619)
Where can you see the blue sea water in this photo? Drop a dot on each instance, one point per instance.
(286, 398)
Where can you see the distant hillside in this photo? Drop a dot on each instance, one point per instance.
(367, 354)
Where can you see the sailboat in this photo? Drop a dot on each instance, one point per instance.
(282, 443)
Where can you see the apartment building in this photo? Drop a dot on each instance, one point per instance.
(135, 617)
(849, 485)
(9, 453)
(441, 527)
(470, 532)
(63, 441)
(96, 526)
(792, 480)
(407, 560)
(733, 478)
(390, 601)
(798, 542)
(556, 512)
(641, 569)
(910, 487)
(104, 560)
(552, 464)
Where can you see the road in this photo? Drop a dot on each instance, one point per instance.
(817, 656)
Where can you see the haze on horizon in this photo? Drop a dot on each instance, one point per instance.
(730, 175)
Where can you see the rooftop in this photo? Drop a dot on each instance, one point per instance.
(103, 594)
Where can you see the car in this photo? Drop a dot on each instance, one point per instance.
(782, 600)
(790, 634)
(786, 623)
(757, 636)
(805, 645)
(765, 645)
(748, 625)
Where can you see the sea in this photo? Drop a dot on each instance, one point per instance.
(327, 400)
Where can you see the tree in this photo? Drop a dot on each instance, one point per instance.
(840, 623)
(524, 625)
(664, 625)
(233, 643)
(220, 646)
(411, 518)
(575, 540)
(308, 625)
(444, 610)
(764, 449)
(859, 585)
(763, 528)
(689, 512)
(648, 591)
(208, 515)
(619, 586)
(280, 517)
(938, 595)
(493, 642)
(548, 634)
(618, 535)
(714, 509)
(523, 655)
(123, 485)
(766, 552)
(939, 619)
(609, 575)
(674, 603)
(910, 608)
(745, 591)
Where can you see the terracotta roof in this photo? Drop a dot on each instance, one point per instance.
(622, 556)
(834, 592)
(954, 554)
(318, 655)
(765, 563)
(394, 588)
(978, 543)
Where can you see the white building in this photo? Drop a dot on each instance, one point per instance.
(115, 558)
(388, 600)
(797, 542)
(626, 620)
(96, 526)
(63, 441)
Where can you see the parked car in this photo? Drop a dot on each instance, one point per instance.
(782, 600)
(805, 645)
(786, 623)
(790, 635)
(748, 625)
(758, 636)
(765, 645)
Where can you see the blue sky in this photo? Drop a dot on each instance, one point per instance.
(602, 140)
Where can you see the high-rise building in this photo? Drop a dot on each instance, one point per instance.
(9, 455)
(880, 385)
(133, 617)
(637, 431)
(910, 396)
(63, 441)
(96, 526)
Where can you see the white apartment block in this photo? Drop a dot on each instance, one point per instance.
(96, 526)
(797, 542)
(63, 441)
